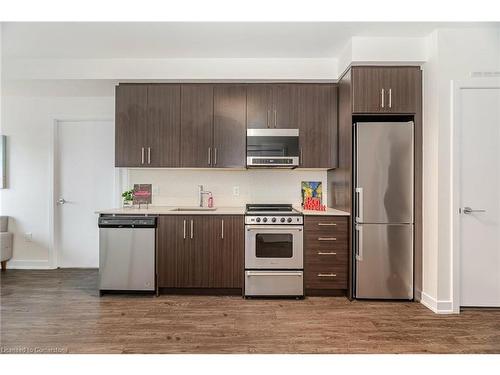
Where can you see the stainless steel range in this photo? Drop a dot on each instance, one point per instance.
(274, 254)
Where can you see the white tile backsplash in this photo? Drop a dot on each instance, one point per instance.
(180, 186)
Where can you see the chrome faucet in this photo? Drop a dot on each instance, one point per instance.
(201, 192)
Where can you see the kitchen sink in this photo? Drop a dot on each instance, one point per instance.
(194, 209)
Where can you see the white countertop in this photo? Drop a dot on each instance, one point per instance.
(169, 210)
(329, 212)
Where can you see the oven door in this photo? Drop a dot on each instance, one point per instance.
(274, 247)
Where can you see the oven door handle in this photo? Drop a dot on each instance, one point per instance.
(276, 228)
(260, 273)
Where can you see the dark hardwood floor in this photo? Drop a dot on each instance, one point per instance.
(60, 311)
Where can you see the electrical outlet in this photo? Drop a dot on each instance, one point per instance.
(236, 191)
(28, 236)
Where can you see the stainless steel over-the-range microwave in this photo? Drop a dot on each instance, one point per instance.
(272, 148)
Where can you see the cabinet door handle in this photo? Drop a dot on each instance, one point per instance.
(390, 98)
(267, 119)
(215, 156)
(301, 157)
(184, 230)
(333, 224)
(222, 229)
(192, 227)
(327, 275)
(327, 239)
(142, 155)
(209, 156)
(275, 118)
(382, 94)
(326, 253)
(149, 155)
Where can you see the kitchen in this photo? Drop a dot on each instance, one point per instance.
(272, 126)
(240, 202)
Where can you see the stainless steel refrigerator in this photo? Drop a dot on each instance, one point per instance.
(383, 206)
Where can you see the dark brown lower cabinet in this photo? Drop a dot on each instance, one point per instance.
(326, 247)
(200, 251)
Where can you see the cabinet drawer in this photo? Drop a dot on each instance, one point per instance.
(315, 241)
(326, 277)
(328, 258)
(325, 225)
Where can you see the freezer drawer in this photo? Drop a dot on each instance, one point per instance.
(384, 261)
(274, 283)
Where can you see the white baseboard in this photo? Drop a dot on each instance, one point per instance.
(439, 307)
(29, 264)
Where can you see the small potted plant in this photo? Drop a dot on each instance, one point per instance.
(128, 198)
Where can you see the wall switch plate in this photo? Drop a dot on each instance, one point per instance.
(236, 191)
(28, 236)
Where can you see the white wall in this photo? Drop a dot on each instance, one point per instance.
(180, 187)
(28, 123)
(453, 54)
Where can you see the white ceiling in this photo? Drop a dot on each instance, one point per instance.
(192, 40)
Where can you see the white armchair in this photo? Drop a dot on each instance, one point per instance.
(6, 240)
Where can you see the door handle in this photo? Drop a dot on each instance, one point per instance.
(62, 201)
(275, 118)
(222, 229)
(250, 273)
(192, 227)
(326, 253)
(359, 192)
(209, 155)
(184, 226)
(327, 275)
(382, 94)
(390, 98)
(267, 119)
(468, 210)
(327, 239)
(149, 155)
(142, 155)
(215, 156)
(333, 224)
(359, 250)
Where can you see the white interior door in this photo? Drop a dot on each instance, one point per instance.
(480, 190)
(84, 184)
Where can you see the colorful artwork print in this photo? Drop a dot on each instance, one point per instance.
(312, 189)
(142, 193)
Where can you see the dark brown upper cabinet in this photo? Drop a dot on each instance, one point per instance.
(385, 89)
(197, 113)
(164, 126)
(273, 106)
(229, 148)
(147, 125)
(318, 126)
(131, 125)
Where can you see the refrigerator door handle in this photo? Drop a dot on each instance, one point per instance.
(359, 247)
(359, 210)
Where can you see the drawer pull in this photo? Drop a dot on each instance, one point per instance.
(327, 239)
(323, 253)
(327, 275)
(332, 224)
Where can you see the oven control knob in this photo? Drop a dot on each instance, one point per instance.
(257, 220)
(273, 220)
(264, 220)
(282, 219)
(289, 219)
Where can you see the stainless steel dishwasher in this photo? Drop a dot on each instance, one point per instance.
(127, 253)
